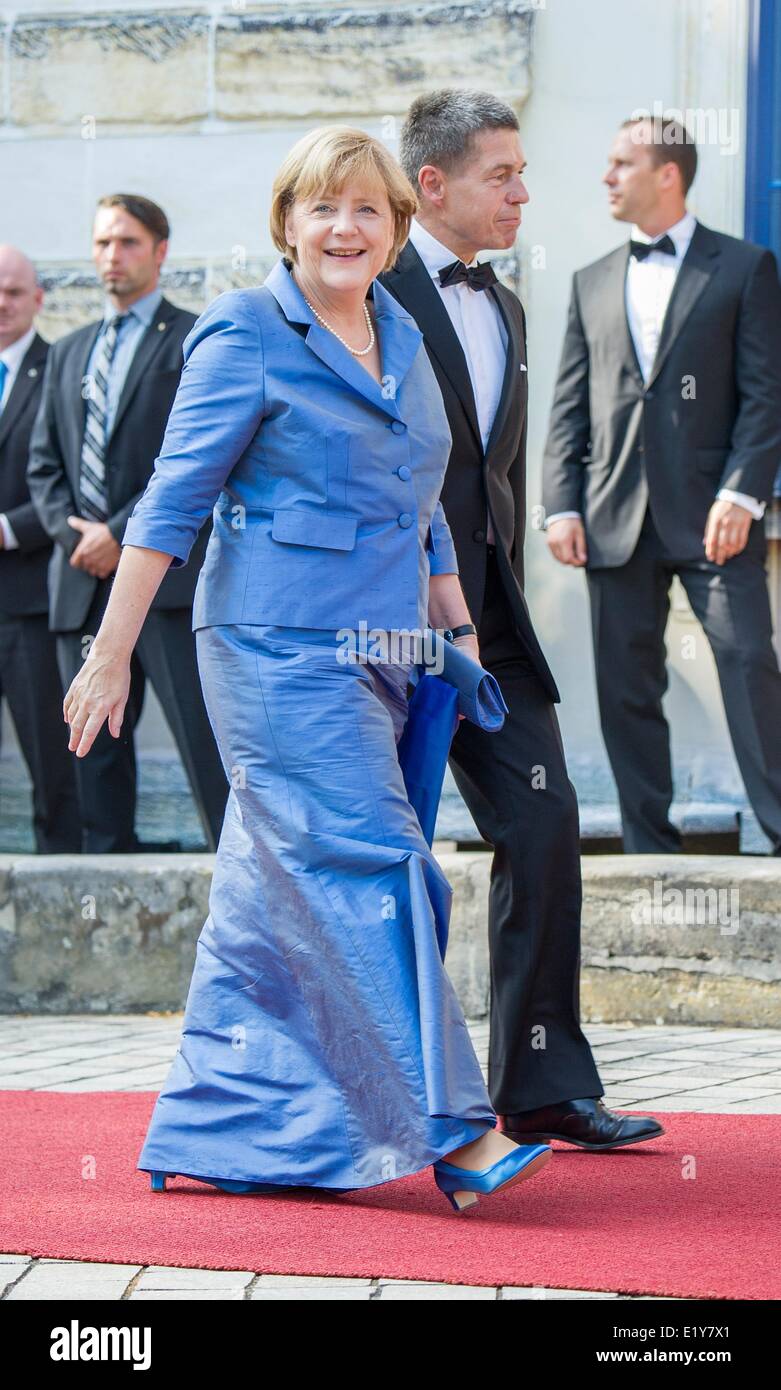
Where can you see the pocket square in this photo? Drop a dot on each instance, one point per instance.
(524, 368)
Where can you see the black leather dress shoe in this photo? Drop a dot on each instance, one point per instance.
(587, 1123)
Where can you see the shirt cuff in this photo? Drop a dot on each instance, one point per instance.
(757, 508)
(560, 516)
(9, 539)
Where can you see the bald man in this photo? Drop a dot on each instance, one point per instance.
(29, 673)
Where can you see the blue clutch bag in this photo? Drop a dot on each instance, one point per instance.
(461, 687)
(479, 695)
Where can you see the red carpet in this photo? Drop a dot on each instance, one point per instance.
(630, 1220)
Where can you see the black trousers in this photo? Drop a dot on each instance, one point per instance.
(30, 682)
(629, 609)
(165, 653)
(516, 787)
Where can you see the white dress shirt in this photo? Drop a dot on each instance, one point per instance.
(13, 357)
(479, 326)
(648, 287)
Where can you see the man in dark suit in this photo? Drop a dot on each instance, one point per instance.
(665, 438)
(107, 393)
(29, 675)
(462, 153)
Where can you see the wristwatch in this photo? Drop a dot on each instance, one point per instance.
(463, 630)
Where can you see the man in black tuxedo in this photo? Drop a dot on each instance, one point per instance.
(29, 675)
(107, 394)
(462, 153)
(665, 438)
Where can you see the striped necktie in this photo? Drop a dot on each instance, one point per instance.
(92, 480)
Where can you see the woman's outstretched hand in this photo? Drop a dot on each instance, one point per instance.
(97, 693)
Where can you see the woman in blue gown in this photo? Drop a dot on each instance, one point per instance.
(323, 1044)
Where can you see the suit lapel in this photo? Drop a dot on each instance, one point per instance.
(615, 306)
(412, 285)
(512, 368)
(150, 344)
(697, 267)
(27, 379)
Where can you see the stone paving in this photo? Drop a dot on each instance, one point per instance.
(661, 1068)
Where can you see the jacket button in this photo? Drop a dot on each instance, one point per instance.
(478, 535)
(398, 426)
(404, 472)
(405, 519)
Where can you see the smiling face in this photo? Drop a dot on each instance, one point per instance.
(342, 240)
(478, 207)
(126, 255)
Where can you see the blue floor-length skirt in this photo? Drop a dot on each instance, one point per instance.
(323, 1043)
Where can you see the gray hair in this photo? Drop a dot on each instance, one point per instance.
(440, 128)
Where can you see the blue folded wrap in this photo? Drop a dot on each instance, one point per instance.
(479, 695)
(461, 687)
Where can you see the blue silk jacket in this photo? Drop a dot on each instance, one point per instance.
(323, 484)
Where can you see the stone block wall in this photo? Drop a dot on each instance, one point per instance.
(666, 938)
(195, 106)
(334, 59)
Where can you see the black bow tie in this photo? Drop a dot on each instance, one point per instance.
(641, 249)
(478, 277)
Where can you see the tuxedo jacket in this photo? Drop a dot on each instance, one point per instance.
(22, 571)
(479, 481)
(708, 417)
(54, 467)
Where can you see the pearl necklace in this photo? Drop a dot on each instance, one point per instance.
(356, 352)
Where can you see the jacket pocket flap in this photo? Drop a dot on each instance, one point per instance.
(332, 530)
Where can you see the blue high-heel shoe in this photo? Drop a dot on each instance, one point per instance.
(226, 1184)
(462, 1186)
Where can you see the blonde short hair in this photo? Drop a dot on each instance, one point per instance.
(327, 158)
